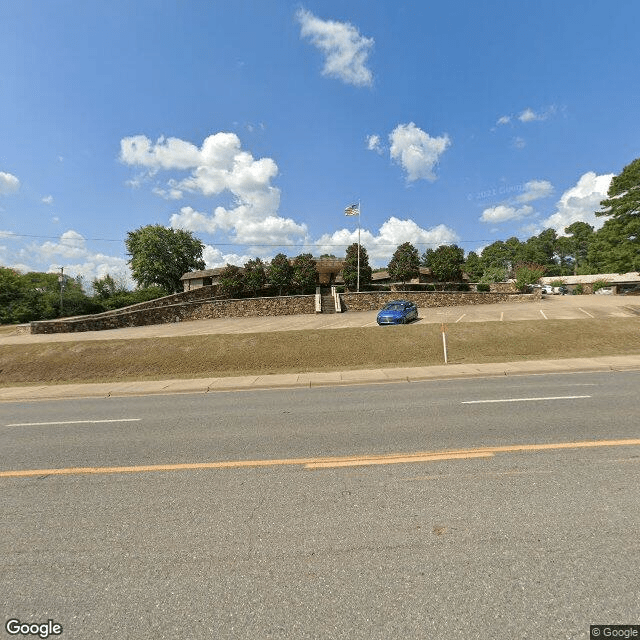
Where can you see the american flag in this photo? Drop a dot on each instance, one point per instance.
(352, 210)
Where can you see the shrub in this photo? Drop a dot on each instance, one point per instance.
(463, 286)
(578, 290)
(430, 287)
(557, 283)
(600, 284)
(483, 287)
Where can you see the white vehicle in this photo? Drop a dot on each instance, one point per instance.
(558, 291)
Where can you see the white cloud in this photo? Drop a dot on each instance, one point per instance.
(503, 213)
(373, 143)
(503, 120)
(345, 50)
(392, 233)
(214, 258)
(416, 151)
(47, 200)
(519, 143)
(71, 252)
(166, 153)
(8, 183)
(535, 190)
(70, 245)
(168, 194)
(579, 203)
(219, 166)
(529, 115)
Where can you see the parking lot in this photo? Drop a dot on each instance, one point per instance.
(548, 308)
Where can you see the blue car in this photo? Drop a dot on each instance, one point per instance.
(398, 312)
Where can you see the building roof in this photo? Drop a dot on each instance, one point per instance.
(613, 278)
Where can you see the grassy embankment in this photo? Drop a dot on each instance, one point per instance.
(313, 350)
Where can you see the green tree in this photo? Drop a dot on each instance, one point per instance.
(614, 249)
(231, 281)
(527, 274)
(10, 296)
(405, 263)
(106, 287)
(255, 276)
(623, 202)
(498, 255)
(541, 249)
(304, 272)
(564, 255)
(494, 274)
(618, 241)
(580, 235)
(473, 266)
(160, 256)
(445, 262)
(350, 269)
(280, 273)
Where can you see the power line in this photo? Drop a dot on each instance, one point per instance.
(238, 244)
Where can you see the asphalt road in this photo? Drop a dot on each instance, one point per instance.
(526, 527)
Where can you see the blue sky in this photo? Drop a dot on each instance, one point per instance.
(255, 123)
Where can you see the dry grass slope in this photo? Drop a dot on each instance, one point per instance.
(313, 350)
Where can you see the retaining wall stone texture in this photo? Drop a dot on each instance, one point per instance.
(369, 301)
(195, 310)
(201, 306)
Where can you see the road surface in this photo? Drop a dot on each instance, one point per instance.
(485, 508)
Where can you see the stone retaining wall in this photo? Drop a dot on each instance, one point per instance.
(196, 310)
(372, 300)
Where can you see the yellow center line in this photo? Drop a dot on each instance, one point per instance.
(326, 463)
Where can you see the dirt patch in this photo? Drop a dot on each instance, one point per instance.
(313, 350)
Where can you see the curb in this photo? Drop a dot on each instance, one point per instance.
(318, 379)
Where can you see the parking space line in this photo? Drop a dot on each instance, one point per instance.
(460, 318)
(583, 311)
(502, 316)
(46, 424)
(542, 312)
(523, 399)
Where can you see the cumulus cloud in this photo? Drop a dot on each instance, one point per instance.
(345, 50)
(72, 252)
(503, 120)
(374, 144)
(535, 190)
(219, 166)
(416, 151)
(8, 183)
(504, 213)
(47, 200)
(381, 245)
(580, 202)
(214, 258)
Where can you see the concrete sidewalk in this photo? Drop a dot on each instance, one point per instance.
(317, 379)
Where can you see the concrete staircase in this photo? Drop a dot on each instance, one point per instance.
(328, 305)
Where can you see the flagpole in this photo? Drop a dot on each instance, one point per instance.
(358, 281)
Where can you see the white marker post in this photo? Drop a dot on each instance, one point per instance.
(444, 342)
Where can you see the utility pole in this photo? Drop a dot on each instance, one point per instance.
(61, 281)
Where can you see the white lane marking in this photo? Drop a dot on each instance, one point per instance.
(43, 424)
(460, 318)
(583, 311)
(542, 312)
(524, 399)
